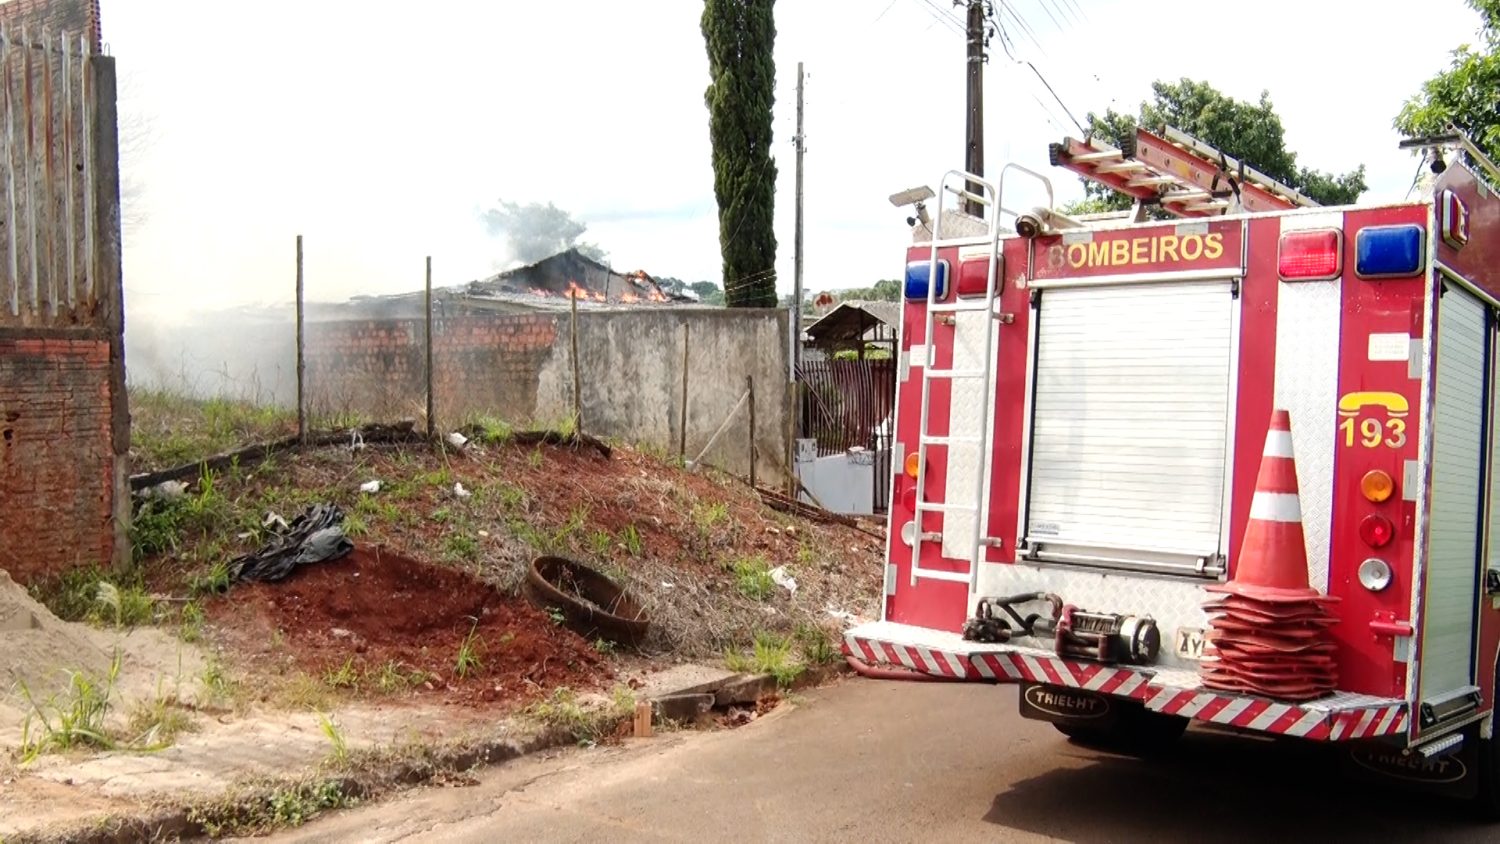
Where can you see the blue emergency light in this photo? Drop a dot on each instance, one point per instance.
(1388, 251)
(916, 279)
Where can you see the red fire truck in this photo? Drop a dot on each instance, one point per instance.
(1082, 410)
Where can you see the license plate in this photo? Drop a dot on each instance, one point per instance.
(1190, 642)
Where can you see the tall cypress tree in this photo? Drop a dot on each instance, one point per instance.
(740, 35)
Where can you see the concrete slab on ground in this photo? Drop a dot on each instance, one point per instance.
(684, 679)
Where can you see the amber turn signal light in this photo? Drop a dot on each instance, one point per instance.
(1377, 486)
(913, 464)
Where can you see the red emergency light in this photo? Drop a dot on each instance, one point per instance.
(1312, 255)
(1377, 531)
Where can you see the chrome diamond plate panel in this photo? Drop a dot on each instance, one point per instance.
(966, 419)
(1307, 385)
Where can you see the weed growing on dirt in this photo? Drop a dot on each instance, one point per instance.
(462, 546)
(335, 735)
(468, 660)
(122, 606)
(631, 539)
(217, 687)
(510, 496)
(557, 615)
(156, 723)
(770, 654)
(76, 718)
(534, 459)
(604, 646)
(493, 431)
(346, 676)
(71, 595)
(709, 516)
(168, 428)
(291, 804)
(213, 581)
(816, 647)
(805, 554)
(190, 622)
(440, 477)
(394, 677)
(301, 691)
(752, 576)
(586, 725)
(600, 543)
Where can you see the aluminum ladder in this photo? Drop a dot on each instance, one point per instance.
(961, 186)
(1182, 174)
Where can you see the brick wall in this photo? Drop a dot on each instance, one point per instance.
(377, 368)
(75, 17)
(57, 449)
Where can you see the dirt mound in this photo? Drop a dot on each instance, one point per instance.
(40, 648)
(376, 610)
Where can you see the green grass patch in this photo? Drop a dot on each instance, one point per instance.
(170, 429)
(769, 654)
(752, 577)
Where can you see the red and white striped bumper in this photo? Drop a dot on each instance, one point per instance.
(1339, 717)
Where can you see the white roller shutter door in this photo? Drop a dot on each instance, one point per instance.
(1130, 422)
(1453, 530)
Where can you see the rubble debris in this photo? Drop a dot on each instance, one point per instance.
(370, 487)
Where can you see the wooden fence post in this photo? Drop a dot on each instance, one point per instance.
(750, 390)
(682, 417)
(301, 354)
(431, 420)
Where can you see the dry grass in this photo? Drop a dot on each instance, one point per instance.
(695, 549)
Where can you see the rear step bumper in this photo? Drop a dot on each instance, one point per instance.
(1342, 716)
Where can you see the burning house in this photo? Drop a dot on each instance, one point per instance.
(571, 274)
(547, 284)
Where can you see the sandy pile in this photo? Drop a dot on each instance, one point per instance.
(38, 652)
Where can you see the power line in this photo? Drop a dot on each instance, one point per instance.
(939, 14)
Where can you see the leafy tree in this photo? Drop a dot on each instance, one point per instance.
(1251, 132)
(537, 231)
(739, 35)
(708, 292)
(885, 290)
(1467, 94)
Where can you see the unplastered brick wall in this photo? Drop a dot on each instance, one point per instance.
(74, 17)
(377, 368)
(57, 449)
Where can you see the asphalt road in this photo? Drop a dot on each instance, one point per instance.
(891, 761)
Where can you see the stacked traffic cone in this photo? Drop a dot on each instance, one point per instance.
(1268, 634)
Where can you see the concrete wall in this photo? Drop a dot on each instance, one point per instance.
(519, 368)
(630, 365)
(64, 422)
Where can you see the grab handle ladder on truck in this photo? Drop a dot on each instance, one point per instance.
(962, 186)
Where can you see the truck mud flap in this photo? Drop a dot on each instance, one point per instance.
(1062, 705)
(1452, 775)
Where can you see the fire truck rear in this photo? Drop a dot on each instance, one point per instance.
(1232, 468)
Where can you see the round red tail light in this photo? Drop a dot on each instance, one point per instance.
(1377, 531)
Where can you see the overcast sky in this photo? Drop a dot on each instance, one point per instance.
(381, 130)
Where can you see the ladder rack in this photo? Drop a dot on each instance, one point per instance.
(1185, 176)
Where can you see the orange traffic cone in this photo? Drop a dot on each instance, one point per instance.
(1268, 634)
(1273, 556)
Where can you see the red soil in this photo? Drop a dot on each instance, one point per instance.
(378, 607)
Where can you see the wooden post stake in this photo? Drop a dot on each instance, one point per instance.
(577, 391)
(682, 417)
(431, 421)
(301, 355)
(750, 389)
(643, 719)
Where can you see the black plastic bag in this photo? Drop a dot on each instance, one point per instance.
(316, 536)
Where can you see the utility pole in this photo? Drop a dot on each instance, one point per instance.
(801, 141)
(974, 136)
